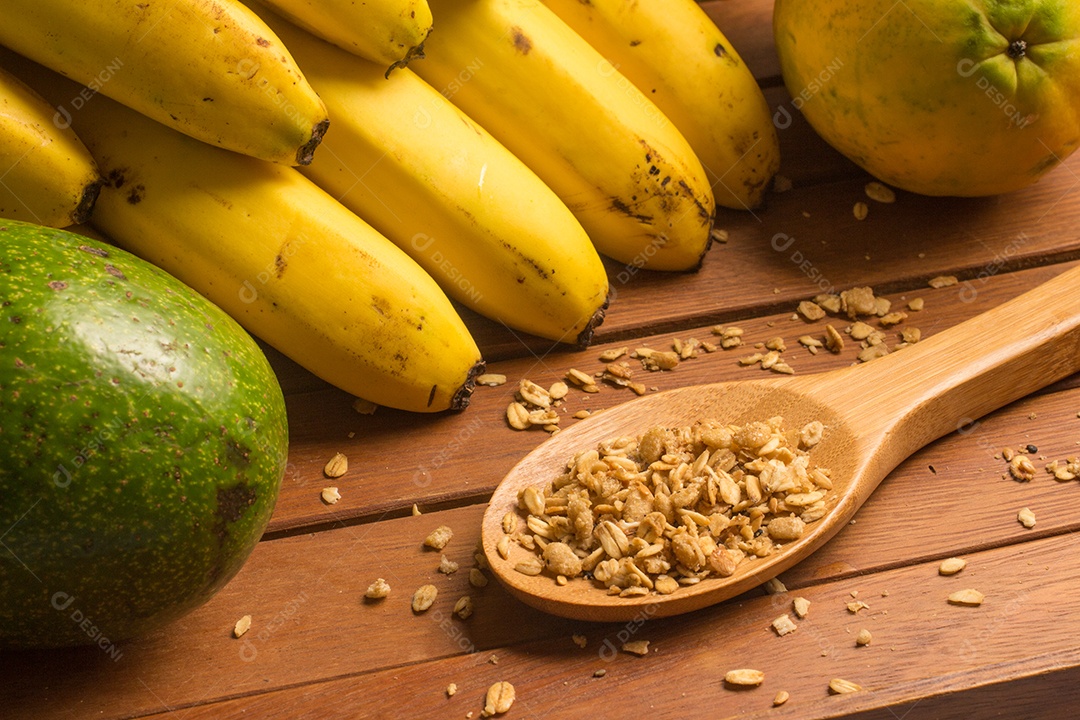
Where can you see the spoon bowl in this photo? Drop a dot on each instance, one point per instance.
(875, 415)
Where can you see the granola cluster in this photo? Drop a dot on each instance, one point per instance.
(672, 507)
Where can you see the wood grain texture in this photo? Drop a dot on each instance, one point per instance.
(311, 625)
(317, 650)
(959, 652)
(397, 459)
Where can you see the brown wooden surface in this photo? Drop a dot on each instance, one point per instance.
(317, 650)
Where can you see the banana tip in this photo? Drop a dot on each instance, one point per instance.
(89, 197)
(586, 335)
(461, 398)
(306, 152)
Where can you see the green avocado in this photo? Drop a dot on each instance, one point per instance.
(143, 440)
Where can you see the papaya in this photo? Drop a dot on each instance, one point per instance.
(937, 97)
(143, 440)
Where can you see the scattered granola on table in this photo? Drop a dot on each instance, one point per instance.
(242, 626)
(801, 606)
(672, 507)
(879, 192)
(500, 697)
(439, 537)
(424, 597)
(839, 686)
(969, 597)
(951, 566)
(336, 466)
(744, 677)
(784, 625)
(377, 590)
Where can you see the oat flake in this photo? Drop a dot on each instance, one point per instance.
(951, 566)
(744, 677)
(242, 626)
(336, 466)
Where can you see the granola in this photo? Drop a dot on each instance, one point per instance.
(969, 597)
(744, 676)
(336, 466)
(439, 537)
(377, 590)
(672, 507)
(424, 597)
(951, 566)
(500, 697)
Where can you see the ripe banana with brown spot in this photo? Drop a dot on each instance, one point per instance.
(287, 261)
(390, 33)
(46, 174)
(617, 162)
(674, 53)
(208, 68)
(405, 159)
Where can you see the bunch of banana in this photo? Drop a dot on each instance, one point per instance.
(208, 68)
(282, 257)
(390, 33)
(46, 174)
(607, 151)
(405, 159)
(673, 52)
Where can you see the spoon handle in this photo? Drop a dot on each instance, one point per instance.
(945, 382)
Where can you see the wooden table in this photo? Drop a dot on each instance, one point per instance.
(316, 649)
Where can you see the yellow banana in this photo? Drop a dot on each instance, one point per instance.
(46, 174)
(208, 68)
(387, 32)
(286, 260)
(617, 162)
(402, 157)
(673, 52)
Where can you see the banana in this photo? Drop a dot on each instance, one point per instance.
(402, 157)
(208, 68)
(46, 174)
(673, 52)
(607, 151)
(287, 261)
(387, 32)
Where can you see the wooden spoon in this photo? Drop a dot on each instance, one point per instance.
(875, 414)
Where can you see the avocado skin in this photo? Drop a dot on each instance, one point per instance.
(143, 440)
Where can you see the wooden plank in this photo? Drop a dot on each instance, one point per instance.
(924, 650)
(310, 624)
(399, 458)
